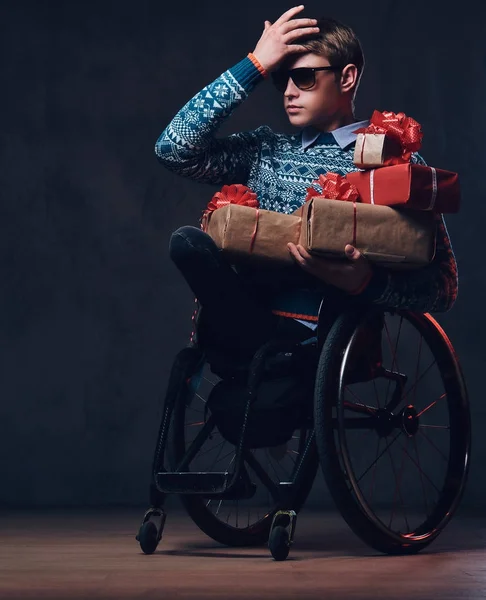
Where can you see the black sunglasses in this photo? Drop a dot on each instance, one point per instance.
(303, 77)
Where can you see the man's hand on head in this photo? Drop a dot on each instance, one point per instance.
(277, 40)
(349, 276)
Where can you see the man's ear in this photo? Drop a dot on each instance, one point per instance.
(349, 78)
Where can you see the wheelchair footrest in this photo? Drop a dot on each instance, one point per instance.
(193, 482)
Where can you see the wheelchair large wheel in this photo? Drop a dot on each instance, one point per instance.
(242, 522)
(394, 445)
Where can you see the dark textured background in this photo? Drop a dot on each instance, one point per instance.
(91, 310)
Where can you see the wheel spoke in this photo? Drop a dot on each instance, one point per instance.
(222, 443)
(393, 353)
(217, 457)
(433, 445)
(377, 396)
(421, 471)
(373, 477)
(358, 407)
(270, 463)
(418, 380)
(228, 454)
(195, 445)
(398, 489)
(431, 405)
(417, 370)
(378, 457)
(421, 476)
(261, 474)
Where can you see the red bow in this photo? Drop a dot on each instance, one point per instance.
(337, 187)
(233, 194)
(402, 129)
(236, 193)
(334, 187)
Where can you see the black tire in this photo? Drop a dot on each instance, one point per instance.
(339, 418)
(256, 529)
(279, 543)
(148, 537)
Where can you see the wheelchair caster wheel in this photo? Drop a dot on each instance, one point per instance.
(282, 533)
(148, 537)
(279, 543)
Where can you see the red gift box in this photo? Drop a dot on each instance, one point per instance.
(409, 185)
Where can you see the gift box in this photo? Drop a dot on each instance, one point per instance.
(388, 140)
(410, 186)
(397, 239)
(326, 222)
(373, 150)
(247, 234)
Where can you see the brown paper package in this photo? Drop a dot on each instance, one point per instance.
(232, 227)
(372, 149)
(398, 239)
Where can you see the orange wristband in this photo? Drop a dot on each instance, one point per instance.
(257, 64)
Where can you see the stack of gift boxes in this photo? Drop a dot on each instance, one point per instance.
(386, 210)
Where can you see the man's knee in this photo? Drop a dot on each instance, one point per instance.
(189, 241)
(184, 241)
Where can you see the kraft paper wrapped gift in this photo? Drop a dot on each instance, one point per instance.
(389, 139)
(252, 234)
(373, 149)
(409, 186)
(397, 239)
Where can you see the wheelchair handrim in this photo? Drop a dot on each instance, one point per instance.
(458, 459)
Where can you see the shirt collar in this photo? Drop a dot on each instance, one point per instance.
(343, 135)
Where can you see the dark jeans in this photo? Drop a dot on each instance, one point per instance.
(235, 305)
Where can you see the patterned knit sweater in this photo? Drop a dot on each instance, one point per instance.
(278, 169)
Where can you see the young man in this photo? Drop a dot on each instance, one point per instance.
(317, 66)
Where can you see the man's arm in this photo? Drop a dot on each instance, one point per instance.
(188, 145)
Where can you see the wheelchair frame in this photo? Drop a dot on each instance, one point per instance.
(236, 484)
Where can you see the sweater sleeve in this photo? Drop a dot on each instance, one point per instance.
(188, 145)
(432, 288)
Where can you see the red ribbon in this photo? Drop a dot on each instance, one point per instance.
(337, 187)
(253, 236)
(334, 187)
(405, 131)
(236, 193)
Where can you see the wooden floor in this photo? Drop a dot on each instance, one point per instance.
(93, 554)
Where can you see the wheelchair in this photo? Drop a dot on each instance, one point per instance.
(381, 407)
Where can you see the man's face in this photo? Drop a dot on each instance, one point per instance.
(320, 104)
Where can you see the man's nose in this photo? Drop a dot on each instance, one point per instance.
(291, 90)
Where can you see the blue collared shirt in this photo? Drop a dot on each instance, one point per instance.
(344, 136)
